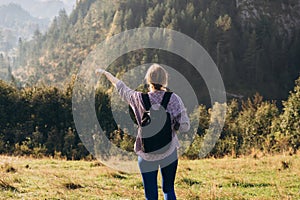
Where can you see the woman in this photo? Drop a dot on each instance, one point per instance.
(157, 79)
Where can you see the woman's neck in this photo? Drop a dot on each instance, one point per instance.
(152, 89)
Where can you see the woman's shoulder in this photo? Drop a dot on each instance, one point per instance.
(175, 100)
(159, 95)
(175, 97)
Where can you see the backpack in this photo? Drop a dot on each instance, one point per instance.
(156, 126)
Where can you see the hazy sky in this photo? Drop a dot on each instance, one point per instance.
(67, 2)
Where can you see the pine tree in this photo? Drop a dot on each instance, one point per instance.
(250, 59)
(290, 118)
(37, 137)
(116, 25)
(129, 20)
(167, 18)
(154, 15)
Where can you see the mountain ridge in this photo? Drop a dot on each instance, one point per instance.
(17, 23)
(254, 53)
(41, 9)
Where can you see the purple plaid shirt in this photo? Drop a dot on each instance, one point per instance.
(175, 108)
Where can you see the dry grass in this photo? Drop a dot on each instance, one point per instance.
(267, 177)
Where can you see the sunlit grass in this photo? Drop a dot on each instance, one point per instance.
(244, 178)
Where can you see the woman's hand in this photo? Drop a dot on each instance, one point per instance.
(108, 75)
(100, 71)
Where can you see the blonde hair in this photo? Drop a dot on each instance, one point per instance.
(156, 74)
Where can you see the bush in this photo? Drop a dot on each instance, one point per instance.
(290, 118)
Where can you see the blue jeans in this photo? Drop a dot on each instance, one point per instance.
(149, 171)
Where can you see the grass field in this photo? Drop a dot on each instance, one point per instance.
(267, 177)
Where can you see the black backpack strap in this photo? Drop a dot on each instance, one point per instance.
(146, 101)
(166, 99)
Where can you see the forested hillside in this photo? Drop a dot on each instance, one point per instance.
(254, 44)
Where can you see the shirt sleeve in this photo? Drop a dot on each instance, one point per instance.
(180, 114)
(132, 97)
(127, 94)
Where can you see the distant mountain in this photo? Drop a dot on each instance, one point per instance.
(42, 8)
(17, 23)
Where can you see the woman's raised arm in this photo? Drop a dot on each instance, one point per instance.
(108, 75)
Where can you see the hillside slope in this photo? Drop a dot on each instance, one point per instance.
(255, 44)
